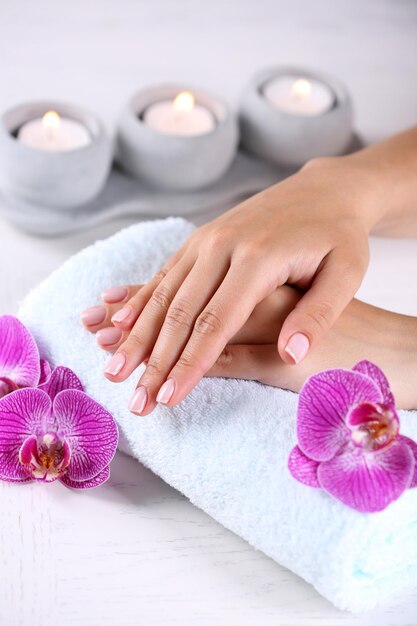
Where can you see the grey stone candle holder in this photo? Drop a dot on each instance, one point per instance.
(172, 162)
(41, 178)
(291, 140)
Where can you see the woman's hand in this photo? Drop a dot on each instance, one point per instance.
(310, 231)
(362, 331)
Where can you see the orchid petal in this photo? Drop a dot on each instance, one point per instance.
(368, 482)
(303, 468)
(45, 371)
(90, 430)
(367, 413)
(7, 386)
(17, 481)
(19, 355)
(413, 447)
(373, 371)
(28, 450)
(324, 403)
(61, 378)
(22, 413)
(87, 484)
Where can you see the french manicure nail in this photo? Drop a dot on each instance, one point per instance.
(139, 400)
(108, 336)
(116, 364)
(166, 391)
(297, 347)
(114, 294)
(94, 315)
(122, 315)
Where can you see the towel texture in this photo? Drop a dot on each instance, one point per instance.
(226, 446)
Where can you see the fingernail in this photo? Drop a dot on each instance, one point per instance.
(121, 315)
(116, 364)
(94, 315)
(297, 347)
(108, 336)
(139, 400)
(114, 294)
(166, 391)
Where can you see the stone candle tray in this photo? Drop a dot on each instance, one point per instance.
(124, 196)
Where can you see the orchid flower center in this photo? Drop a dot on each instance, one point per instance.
(46, 457)
(373, 426)
(7, 386)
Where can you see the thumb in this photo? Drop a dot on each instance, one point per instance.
(332, 289)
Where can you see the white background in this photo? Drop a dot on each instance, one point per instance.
(136, 551)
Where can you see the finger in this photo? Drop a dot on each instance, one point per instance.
(190, 299)
(331, 291)
(96, 317)
(262, 327)
(126, 317)
(111, 338)
(145, 331)
(116, 294)
(226, 312)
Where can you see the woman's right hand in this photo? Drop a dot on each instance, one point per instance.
(310, 230)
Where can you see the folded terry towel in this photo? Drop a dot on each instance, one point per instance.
(226, 446)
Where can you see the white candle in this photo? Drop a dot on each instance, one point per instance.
(54, 133)
(299, 96)
(181, 116)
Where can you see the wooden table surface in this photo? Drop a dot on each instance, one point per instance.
(136, 551)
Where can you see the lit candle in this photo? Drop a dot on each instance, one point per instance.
(181, 116)
(299, 96)
(54, 133)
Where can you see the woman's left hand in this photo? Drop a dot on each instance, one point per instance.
(251, 354)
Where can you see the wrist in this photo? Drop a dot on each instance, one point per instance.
(359, 184)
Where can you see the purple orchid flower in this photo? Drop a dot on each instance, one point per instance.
(348, 439)
(56, 432)
(20, 364)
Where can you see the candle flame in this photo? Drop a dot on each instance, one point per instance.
(184, 101)
(51, 120)
(302, 87)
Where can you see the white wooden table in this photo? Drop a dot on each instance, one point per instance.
(136, 551)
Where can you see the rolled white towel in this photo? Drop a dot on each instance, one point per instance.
(226, 445)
